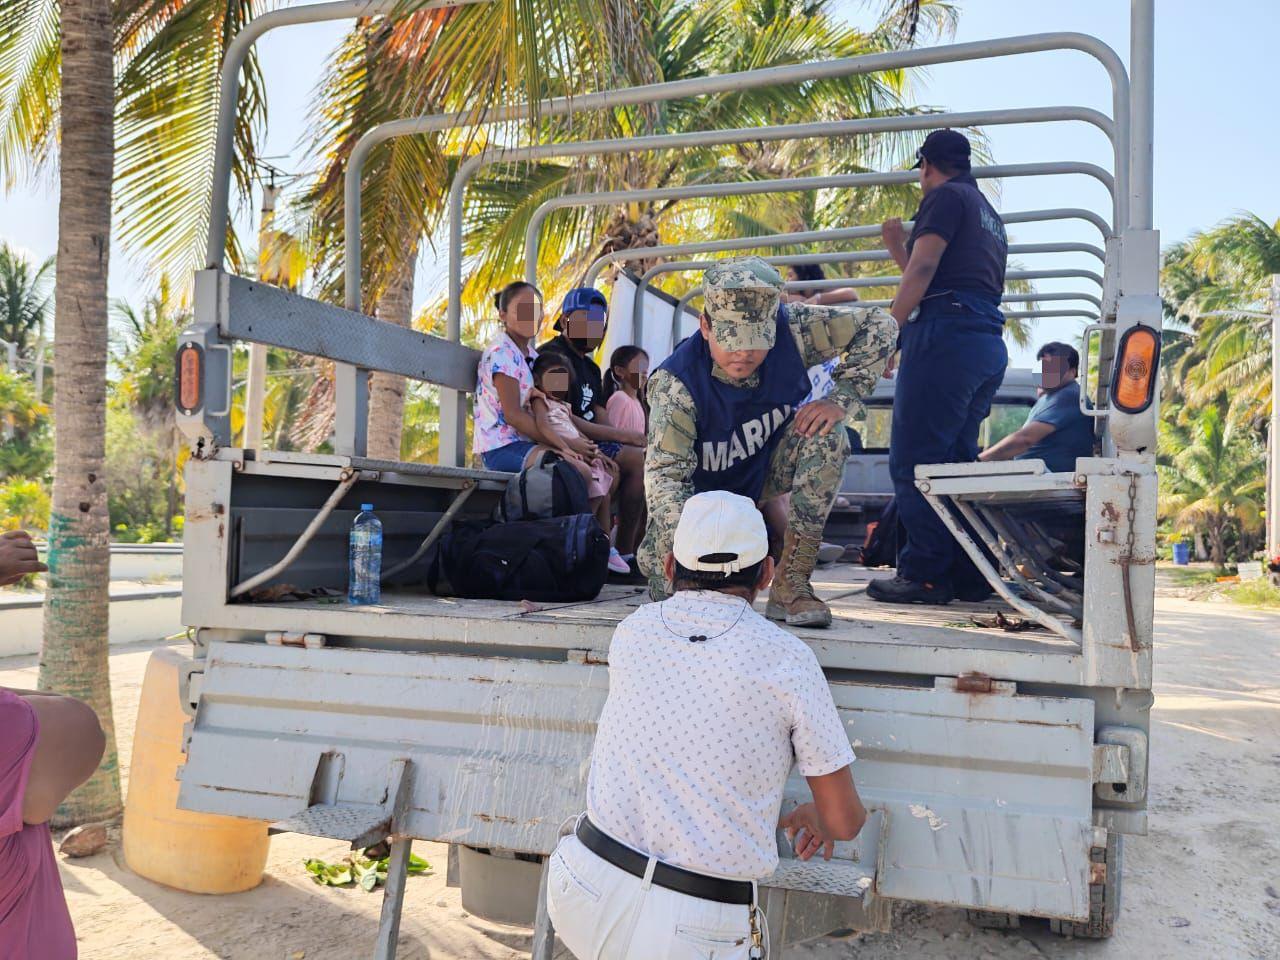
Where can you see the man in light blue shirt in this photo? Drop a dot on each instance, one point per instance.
(1056, 431)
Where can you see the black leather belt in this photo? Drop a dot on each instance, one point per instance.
(664, 875)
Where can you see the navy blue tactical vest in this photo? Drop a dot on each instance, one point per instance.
(738, 427)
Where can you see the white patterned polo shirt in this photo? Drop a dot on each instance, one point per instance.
(697, 737)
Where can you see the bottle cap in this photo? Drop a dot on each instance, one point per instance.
(366, 506)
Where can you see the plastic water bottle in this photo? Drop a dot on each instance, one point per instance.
(364, 582)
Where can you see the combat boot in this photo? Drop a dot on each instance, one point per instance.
(791, 596)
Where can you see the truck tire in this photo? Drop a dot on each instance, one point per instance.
(990, 920)
(1104, 897)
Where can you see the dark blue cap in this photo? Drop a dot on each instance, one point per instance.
(582, 298)
(947, 148)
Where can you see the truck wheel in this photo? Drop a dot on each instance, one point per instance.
(989, 920)
(1104, 896)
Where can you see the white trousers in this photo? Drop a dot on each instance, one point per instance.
(601, 912)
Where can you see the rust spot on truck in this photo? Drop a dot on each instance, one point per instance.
(1097, 873)
(1109, 512)
(973, 682)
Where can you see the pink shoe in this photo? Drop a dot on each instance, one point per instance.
(616, 563)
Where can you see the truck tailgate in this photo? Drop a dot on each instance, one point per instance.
(985, 798)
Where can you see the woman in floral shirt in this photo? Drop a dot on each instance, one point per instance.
(505, 432)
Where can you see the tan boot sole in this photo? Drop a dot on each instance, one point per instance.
(810, 618)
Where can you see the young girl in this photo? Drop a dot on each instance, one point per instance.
(553, 381)
(624, 384)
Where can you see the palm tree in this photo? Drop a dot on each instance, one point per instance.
(387, 69)
(128, 87)
(166, 86)
(144, 386)
(151, 122)
(74, 657)
(1223, 269)
(26, 299)
(685, 39)
(1211, 477)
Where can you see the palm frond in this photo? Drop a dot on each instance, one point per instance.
(30, 86)
(167, 91)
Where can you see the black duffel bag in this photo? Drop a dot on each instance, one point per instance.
(559, 560)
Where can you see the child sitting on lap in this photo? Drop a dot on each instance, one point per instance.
(553, 380)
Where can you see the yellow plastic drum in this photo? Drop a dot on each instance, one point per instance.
(196, 852)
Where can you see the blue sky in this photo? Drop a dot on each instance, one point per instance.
(1215, 142)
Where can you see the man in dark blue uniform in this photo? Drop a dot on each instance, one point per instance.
(953, 353)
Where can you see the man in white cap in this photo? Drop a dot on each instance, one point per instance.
(709, 706)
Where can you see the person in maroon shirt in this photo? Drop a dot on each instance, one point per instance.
(49, 745)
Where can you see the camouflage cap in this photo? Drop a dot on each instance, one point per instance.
(740, 298)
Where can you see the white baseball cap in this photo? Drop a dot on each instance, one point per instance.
(720, 532)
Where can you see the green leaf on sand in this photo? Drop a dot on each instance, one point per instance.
(360, 871)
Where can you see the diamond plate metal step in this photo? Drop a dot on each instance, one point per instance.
(822, 876)
(358, 824)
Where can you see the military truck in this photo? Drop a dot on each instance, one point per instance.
(1002, 768)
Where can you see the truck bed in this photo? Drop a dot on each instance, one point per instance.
(272, 500)
(865, 635)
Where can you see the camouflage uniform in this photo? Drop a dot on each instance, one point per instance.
(810, 468)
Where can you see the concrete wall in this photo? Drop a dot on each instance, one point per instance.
(136, 616)
(151, 562)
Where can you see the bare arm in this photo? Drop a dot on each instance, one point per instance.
(68, 748)
(836, 813)
(513, 412)
(926, 254)
(602, 431)
(552, 439)
(895, 241)
(1018, 442)
(830, 298)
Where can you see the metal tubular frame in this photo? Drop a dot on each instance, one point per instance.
(1020, 216)
(450, 402)
(887, 281)
(229, 90)
(788, 239)
(693, 87)
(349, 381)
(1034, 314)
(749, 79)
(1008, 298)
(703, 138)
(533, 233)
(1141, 115)
(796, 239)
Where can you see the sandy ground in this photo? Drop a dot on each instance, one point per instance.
(1204, 884)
